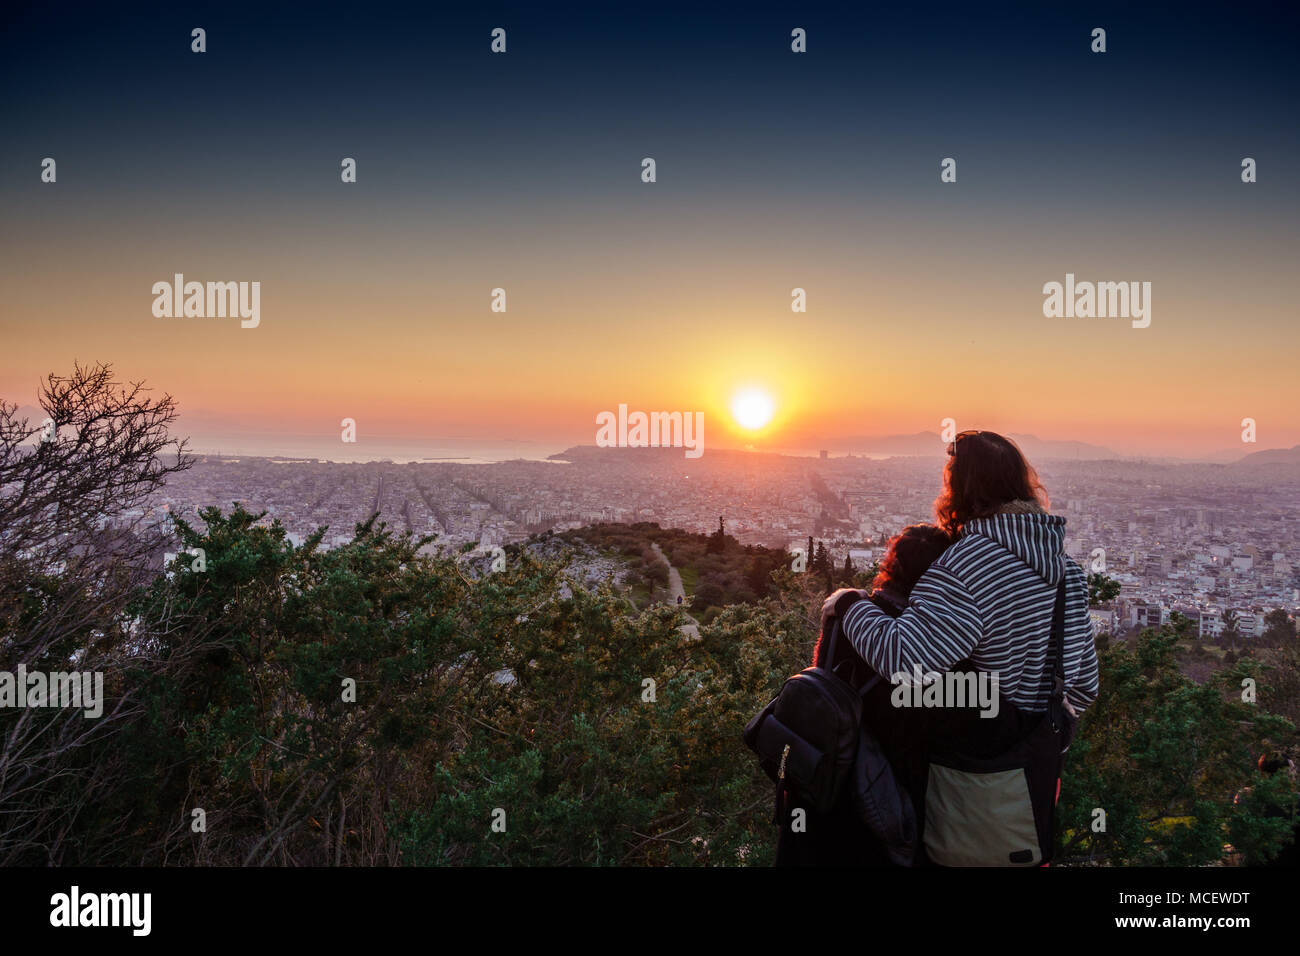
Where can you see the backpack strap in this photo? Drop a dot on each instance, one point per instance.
(836, 635)
(837, 638)
(846, 601)
(1056, 705)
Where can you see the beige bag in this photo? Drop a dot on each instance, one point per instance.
(980, 819)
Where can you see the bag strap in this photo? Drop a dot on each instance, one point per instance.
(837, 638)
(837, 635)
(1056, 705)
(828, 657)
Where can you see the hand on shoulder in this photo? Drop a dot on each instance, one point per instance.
(828, 606)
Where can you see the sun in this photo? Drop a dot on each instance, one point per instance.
(752, 408)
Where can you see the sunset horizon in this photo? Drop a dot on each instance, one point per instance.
(527, 279)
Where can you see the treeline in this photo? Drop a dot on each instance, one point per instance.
(1279, 631)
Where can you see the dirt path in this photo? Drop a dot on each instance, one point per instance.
(677, 590)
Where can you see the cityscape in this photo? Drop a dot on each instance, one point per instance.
(1193, 538)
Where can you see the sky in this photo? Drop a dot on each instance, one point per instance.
(775, 171)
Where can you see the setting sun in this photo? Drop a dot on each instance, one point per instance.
(752, 408)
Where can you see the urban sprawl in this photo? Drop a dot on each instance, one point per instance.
(1197, 539)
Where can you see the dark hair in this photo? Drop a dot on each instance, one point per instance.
(984, 472)
(909, 554)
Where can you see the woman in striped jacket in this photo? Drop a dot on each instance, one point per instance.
(989, 602)
(989, 598)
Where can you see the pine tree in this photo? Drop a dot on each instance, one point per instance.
(1231, 633)
(757, 578)
(1279, 629)
(718, 540)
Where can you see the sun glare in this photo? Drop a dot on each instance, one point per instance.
(752, 408)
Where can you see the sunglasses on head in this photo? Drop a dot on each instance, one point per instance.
(952, 445)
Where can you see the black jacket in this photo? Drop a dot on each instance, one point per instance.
(839, 838)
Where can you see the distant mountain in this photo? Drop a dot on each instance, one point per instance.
(33, 414)
(589, 453)
(925, 444)
(919, 445)
(1270, 456)
(1224, 456)
(1035, 447)
(35, 418)
(930, 445)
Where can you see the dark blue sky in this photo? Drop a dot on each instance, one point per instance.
(1012, 88)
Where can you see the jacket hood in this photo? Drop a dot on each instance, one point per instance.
(1032, 535)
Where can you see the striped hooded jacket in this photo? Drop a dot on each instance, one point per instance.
(990, 597)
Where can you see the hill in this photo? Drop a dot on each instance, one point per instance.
(1270, 456)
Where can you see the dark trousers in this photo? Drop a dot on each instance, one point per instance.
(837, 838)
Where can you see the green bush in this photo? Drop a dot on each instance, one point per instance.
(506, 698)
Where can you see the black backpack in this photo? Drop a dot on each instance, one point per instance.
(811, 742)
